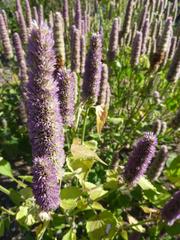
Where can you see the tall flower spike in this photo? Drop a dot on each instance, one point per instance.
(59, 38)
(66, 13)
(41, 14)
(93, 66)
(67, 94)
(5, 39)
(83, 53)
(3, 12)
(143, 17)
(22, 27)
(28, 14)
(162, 46)
(35, 14)
(174, 70)
(136, 49)
(104, 85)
(128, 17)
(78, 15)
(157, 127)
(145, 32)
(20, 58)
(171, 211)
(140, 158)
(113, 41)
(158, 164)
(75, 49)
(44, 119)
(45, 184)
(51, 20)
(172, 47)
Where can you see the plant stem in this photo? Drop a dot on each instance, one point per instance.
(84, 125)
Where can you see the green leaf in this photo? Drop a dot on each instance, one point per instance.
(40, 230)
(5, 168)
(69, 197)
(115, 121)
(145, 184)
(26, 178)
(26, 192)
(173, 172)
(124, 234)
(102, 226)
(138, 228)
(97, 193)
(21, 214)
(2, 227)
(70, 235)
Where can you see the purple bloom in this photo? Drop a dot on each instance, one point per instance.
(114, 39)
(171, 211)
(93, 66)
(59, 38)
(143, 17)
(157, 127)
(41, 14)
(28, 14)
(67, 94)
(20, 58)
(172, 47)
(45, 184)
(78, 15)
(140, 158)
(66, 12)
(145, 32)
(128, 17)
(3, 12)
(22, 26)
(5, 39)
(158, 163)
(136, 49)
(35, 13)
(83, 53)
(75, 49)
(44, 119)
(104, 85)
(174, 70)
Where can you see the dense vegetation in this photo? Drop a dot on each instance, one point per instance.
(90, 119)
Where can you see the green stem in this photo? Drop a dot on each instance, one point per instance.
(8, 211)
(4, 190)
(84, 125)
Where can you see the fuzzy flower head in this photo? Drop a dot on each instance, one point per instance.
(171, 211)
(136, 49)
(158, 163)
(140, 158)
(128, 17)
(174, 70)
(67, 94)
(44, 119)
(93, 66)
(45, 184)
(78, 15)
(114, 39)
(104, 85)
(75, 49)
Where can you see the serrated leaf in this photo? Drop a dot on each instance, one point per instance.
(5, 168)
(69, 197)
(101, 226)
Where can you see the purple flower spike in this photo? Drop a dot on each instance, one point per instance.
(5, 39)
(78, 15)
(104, 85)
(66, 12)
(128, 17)
(171, 211)
(158, 163)
(28, 14)
(45, 184)
(93, 66)
(136, 49)
(75, 49)
(67, 94)
(83, 53)
(44, 119)
(140, 158)
(114, 39)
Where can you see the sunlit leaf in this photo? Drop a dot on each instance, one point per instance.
(134, 221)
(70, 235)
(101, 226)
(69, 197)
(5, 168)
(101, 117)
